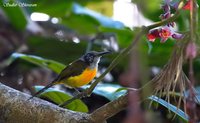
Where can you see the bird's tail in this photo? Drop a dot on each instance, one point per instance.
(42, 90)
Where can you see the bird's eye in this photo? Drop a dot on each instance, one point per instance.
(89, 58)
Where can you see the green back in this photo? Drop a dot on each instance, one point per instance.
(73, 69)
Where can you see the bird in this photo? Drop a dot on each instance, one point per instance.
(78, 73)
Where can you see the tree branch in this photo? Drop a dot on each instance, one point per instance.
(14, 107)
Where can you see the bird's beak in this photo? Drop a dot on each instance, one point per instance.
(103, 53)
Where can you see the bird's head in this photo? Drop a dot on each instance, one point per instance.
(93, 57)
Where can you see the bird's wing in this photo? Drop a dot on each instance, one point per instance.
(74, 69)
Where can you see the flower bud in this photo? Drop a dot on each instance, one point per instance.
(191, 50)
(166, 8)
(177, 36)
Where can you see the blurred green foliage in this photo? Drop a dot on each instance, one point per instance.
(86, 22)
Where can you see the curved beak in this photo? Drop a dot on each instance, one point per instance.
(103, 53)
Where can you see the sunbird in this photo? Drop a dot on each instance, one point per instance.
(78, 73)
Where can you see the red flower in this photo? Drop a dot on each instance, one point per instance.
(164, 33)
(187, 6)
(151, 37)
(153, 34)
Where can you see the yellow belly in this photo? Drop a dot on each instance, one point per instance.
(82, 79)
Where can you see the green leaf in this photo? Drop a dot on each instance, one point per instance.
(107, 90)
(84, 24)
(54, 8)
(169, 106)
(86, 21)
(15, 15)
(51, 64)
(121, 89)
(101, 6)
(150, 9)
(68, 51)
(59, 97)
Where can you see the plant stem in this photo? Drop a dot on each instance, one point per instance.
(193, 38)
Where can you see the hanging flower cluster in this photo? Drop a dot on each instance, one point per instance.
(164, 33)
(168, 30)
